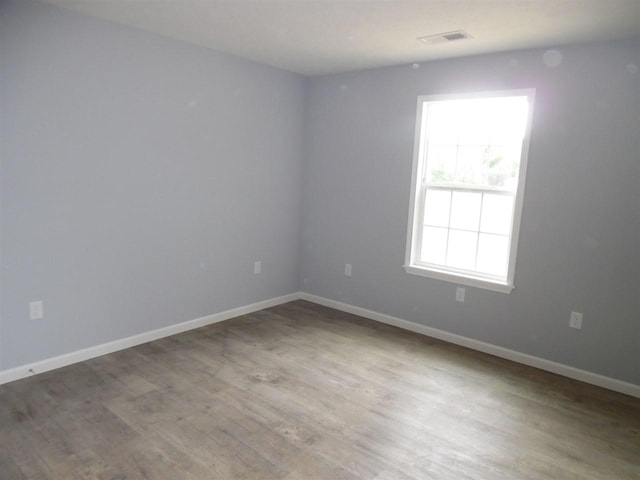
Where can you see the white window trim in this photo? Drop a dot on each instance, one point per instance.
(466, 278)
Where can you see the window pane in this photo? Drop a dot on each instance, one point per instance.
(436, 208)
(474, 129)
(442, 123)
(434, 245)
(469, 165)
(493, 252)
(497, 213)
(501, 167)
(465, 210)
(441, 163)
(496, 166)
(462, 249)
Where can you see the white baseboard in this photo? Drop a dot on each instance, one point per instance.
(530, 360)
(105, 348)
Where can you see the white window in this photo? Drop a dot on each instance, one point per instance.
(468, 183)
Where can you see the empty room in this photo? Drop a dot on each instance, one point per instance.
(318, 239)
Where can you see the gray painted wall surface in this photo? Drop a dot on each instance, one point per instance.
(579, 244)
(141, 178)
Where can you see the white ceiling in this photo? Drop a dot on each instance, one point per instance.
(315, 37)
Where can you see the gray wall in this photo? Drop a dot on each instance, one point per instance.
(140, 179)
(579, 244)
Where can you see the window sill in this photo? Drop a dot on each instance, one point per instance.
(460, 279)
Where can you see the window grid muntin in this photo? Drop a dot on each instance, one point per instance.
(449, 268)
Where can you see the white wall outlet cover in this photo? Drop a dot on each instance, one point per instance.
(460, 292)
(347, 269)
(575, 321)
(257, 267)
(36, 310)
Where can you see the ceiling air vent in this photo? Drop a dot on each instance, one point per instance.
(445, 37)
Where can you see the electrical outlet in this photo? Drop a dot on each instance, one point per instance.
(347, 269)
(257, 267)
(575, 321)
(36, 310)
(460, 294)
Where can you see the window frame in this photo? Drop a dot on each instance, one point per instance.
(418, 190)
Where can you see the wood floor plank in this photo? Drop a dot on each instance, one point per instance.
(301, 391)
(9, 468)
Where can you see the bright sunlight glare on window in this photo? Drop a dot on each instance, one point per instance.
(469, 167)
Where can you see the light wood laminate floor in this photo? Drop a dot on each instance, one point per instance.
(300, 391)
